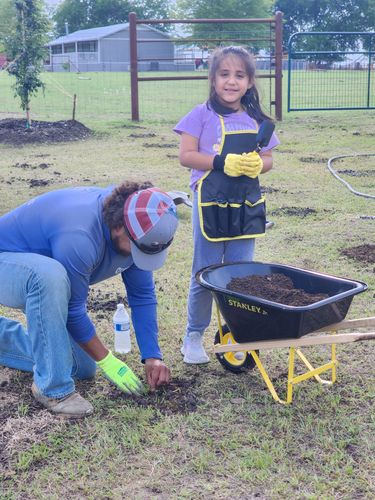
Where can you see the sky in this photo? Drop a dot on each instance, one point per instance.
(52, 3)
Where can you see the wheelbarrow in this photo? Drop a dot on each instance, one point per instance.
(253, 323)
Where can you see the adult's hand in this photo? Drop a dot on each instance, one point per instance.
(157, 373)
(117, 372)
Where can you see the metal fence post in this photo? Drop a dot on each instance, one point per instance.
(369, 71)
(278, 65)
(290, 59)
(133, 65)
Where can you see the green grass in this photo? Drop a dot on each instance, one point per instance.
(106, 95)
(331, 89)
(238, 443)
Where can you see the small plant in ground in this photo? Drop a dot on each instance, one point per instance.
(26, 51)
(66, 66)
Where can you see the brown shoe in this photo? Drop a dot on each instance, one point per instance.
(71, 406)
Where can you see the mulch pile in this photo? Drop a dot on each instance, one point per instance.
(14, 132)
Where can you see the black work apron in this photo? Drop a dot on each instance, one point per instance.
(231, 208)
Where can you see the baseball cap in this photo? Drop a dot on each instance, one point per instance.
(150, 220)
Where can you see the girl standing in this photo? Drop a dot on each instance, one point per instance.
(218, 139)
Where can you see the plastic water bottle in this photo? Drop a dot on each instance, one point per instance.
(121, 325)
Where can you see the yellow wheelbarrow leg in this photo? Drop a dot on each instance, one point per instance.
(294, 380)
(329, 366)
(266, 378)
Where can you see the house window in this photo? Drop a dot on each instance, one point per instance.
(56, 49)
(69, 47)
(91, 46)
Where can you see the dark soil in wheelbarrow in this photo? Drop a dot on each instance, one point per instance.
(14, 132)
(276, 288)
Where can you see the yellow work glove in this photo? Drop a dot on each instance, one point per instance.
(230, 164)
(252, 165)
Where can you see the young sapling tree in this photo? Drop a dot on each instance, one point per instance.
(26, 50)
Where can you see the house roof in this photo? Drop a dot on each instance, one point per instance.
(96, 34)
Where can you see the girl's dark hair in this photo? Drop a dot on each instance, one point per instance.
(113, 207)
(250, 100)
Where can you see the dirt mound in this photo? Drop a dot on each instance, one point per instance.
(14, 132)
(362, 253)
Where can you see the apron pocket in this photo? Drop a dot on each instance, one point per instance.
(226, 221)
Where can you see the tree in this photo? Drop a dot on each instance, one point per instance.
(225, 9)
(93, 13)
(26, 50)
(326, 15)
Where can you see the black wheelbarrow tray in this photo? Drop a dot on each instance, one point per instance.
(254, 323)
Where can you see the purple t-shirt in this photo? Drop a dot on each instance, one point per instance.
(204, 124)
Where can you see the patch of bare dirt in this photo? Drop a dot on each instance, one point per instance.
(39, 183)
(311, 159)
(269, 189)
(276, 288)
(158, 145)
(356, 173)
(294, 211)
(29, 166)
(178, 397)
(100, 302)
(361, 253)
(33, 183)
(142, 136)
(14, 132)
(131, 125)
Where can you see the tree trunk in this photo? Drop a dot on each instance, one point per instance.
(28, 119)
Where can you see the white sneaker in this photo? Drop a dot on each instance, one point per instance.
(193, 350)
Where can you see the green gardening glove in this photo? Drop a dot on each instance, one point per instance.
(117, 372)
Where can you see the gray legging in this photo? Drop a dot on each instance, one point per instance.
(207, 253)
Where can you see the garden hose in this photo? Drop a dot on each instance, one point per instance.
(335, 174)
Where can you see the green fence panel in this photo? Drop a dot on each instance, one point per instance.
(331, 71)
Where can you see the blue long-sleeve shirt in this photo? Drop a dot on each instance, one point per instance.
(67, 225)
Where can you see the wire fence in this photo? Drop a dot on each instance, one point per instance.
(106, 96)
(331, 70)
(93, 81)
(196, 49)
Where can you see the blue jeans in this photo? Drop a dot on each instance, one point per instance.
(40, 287)
(207, 253)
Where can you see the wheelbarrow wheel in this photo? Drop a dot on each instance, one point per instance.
(235, 362)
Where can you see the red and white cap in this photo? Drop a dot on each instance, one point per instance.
(150, 220)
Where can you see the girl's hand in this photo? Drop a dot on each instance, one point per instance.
(252, 165)
(232, 164)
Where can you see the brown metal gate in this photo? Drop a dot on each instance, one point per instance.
(275, 74)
